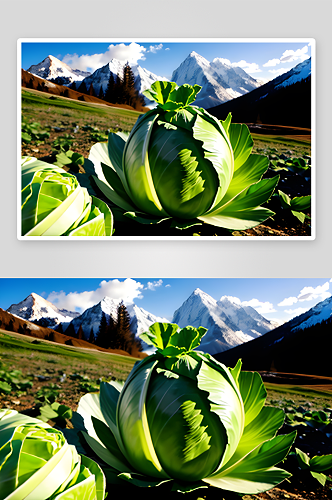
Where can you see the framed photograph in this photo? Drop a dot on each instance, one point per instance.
(193, 372)
(208, 139)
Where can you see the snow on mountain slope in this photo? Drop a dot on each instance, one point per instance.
(219, 82)
(90, 319)
(34, 307)
(228, 324)
(320, 312)
(100, 78)
(246, 318)
(52, 68)
(300, 72)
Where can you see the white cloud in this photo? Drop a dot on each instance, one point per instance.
(168, 286)
(167, 48)
(295, 55)
(235, 300)
(311, 293)
(132, 53)
(271, 62)
(308, 293)
(288, 56)
(288, 301)
(261, 307)
(246, 66)
(152, 285)
(222, 60)
(155, 48)
(127, 290)
(296, 312)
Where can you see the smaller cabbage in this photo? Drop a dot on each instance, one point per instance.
(54, 204)
(37, 463)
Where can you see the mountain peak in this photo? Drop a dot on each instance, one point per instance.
(34, 308)
(51, 68)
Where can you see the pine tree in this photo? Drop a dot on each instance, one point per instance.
(60, 328)
(101, 339)
(129, 93)
(73, 86)
(109, 93)
(92, 91)
(70, 331)
(118, 90)
(101, 93)
(123, 328)
(82, 88)
(113, 335)
(80, 333)
(91, 337)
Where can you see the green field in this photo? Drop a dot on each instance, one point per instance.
(77, 120)
(44, 358)
(33, 102)
(71, 371)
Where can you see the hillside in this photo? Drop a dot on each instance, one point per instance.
(286, 349)
(13, 323)
(34, 82)
(289, 105)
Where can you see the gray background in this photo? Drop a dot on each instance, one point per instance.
(178, 19)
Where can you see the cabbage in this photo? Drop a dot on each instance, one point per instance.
(37, 463)
(183, 417)
(180, 163)
(54, 204)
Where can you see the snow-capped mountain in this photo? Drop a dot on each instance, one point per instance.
(246, 318)
(52, 68)
(100, 78)
(298, 73)
(35, 308)
(284, 100)
(302, 345)
(228, 323)
(90, 319)
(320, 312)
(219, 81)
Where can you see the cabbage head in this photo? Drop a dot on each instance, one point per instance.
(54, 204)
(183, 417)
(37, 463)
(181, 163)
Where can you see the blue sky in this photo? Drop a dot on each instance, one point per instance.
(275, 298)
(262, 60)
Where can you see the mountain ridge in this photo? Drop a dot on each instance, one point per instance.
(225, 328)
(302, 345)
(220, 82)
(51, 68)
(285, 100)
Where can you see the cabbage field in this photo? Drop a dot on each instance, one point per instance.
(71, 135)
